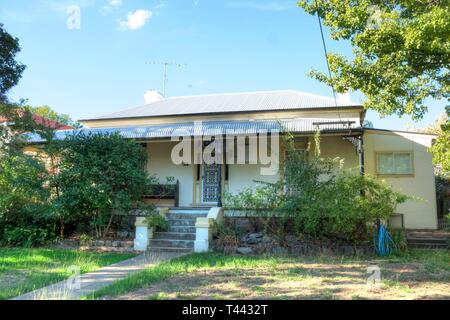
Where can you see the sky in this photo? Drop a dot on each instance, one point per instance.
(86, 58)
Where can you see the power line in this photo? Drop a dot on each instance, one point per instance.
(326, 57)
(328, 63)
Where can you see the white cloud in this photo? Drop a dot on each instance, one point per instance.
(266, 6)
(111, 6)
(135, 20)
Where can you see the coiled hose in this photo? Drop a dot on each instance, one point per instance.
(383, 242)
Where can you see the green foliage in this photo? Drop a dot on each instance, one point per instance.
(441, 147)
(320, 199)
(100, 176)
(401, 51)
(400, 239)
(48, 113)
(10, 70)
(25, 212)
(156, 221)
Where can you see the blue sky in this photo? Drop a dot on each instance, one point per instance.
(227, 46)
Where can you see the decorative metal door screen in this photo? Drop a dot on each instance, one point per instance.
(210, 186)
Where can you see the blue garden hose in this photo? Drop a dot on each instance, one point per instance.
(384, 244)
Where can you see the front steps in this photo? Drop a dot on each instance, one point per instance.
(180, 235)
(428, 240)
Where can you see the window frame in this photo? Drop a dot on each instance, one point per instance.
(393, 153)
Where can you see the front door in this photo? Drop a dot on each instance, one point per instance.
(210, 183)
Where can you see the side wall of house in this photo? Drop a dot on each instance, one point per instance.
(421, 213)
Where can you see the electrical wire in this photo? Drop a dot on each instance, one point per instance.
(328, 63)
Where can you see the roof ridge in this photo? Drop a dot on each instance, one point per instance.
(295, 97)
(249, 92)
(229, 93)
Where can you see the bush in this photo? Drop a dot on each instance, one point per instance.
(25, 211)
(319, 198)
(157, 222)
(99, 177)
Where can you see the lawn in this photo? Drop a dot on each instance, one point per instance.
(23, 270)
(418, 274)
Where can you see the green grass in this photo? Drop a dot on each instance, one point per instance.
(433, 260)
(183, 265)
(23, 270)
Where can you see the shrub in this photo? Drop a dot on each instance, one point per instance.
(320, 199)
(99, 177)
(156, 221)
(25, 211)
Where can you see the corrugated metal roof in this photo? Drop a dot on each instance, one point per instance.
(228, 103)
(210, 128)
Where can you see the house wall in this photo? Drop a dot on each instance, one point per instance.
(160, 164)
(335, 146)
(418, 214)
(241, 176)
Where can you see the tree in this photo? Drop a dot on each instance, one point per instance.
(99, 176)
(18, 118)
(441, 147)
(25, 209)
(48, 113)
(10, 70)
(401, 51)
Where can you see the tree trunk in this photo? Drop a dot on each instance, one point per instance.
(61, 228)
(109, 222)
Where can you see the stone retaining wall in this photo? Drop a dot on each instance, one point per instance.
(98, 245)
(257, 243)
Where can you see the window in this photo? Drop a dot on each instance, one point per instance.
(394, 163)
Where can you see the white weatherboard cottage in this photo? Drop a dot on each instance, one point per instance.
(400, 158)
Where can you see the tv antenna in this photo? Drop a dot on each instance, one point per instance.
(166, 64)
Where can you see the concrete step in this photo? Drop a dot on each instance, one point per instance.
(169, 249)
(427, 240)
(181, 229)
(428, 246)
(174, 243)
(181, 222)
(173, 215)
(189, 211)
(174, 235)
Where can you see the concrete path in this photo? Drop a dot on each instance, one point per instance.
(83, 285)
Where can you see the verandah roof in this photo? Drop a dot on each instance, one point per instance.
(211, 128)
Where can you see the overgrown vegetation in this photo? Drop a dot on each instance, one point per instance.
(317, 198)
(89, 181)
(98, 177)
(25, 209)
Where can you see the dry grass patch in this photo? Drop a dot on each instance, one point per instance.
(403, 277)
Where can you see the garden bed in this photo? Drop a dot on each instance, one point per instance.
(97, 245)
(258, 243)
